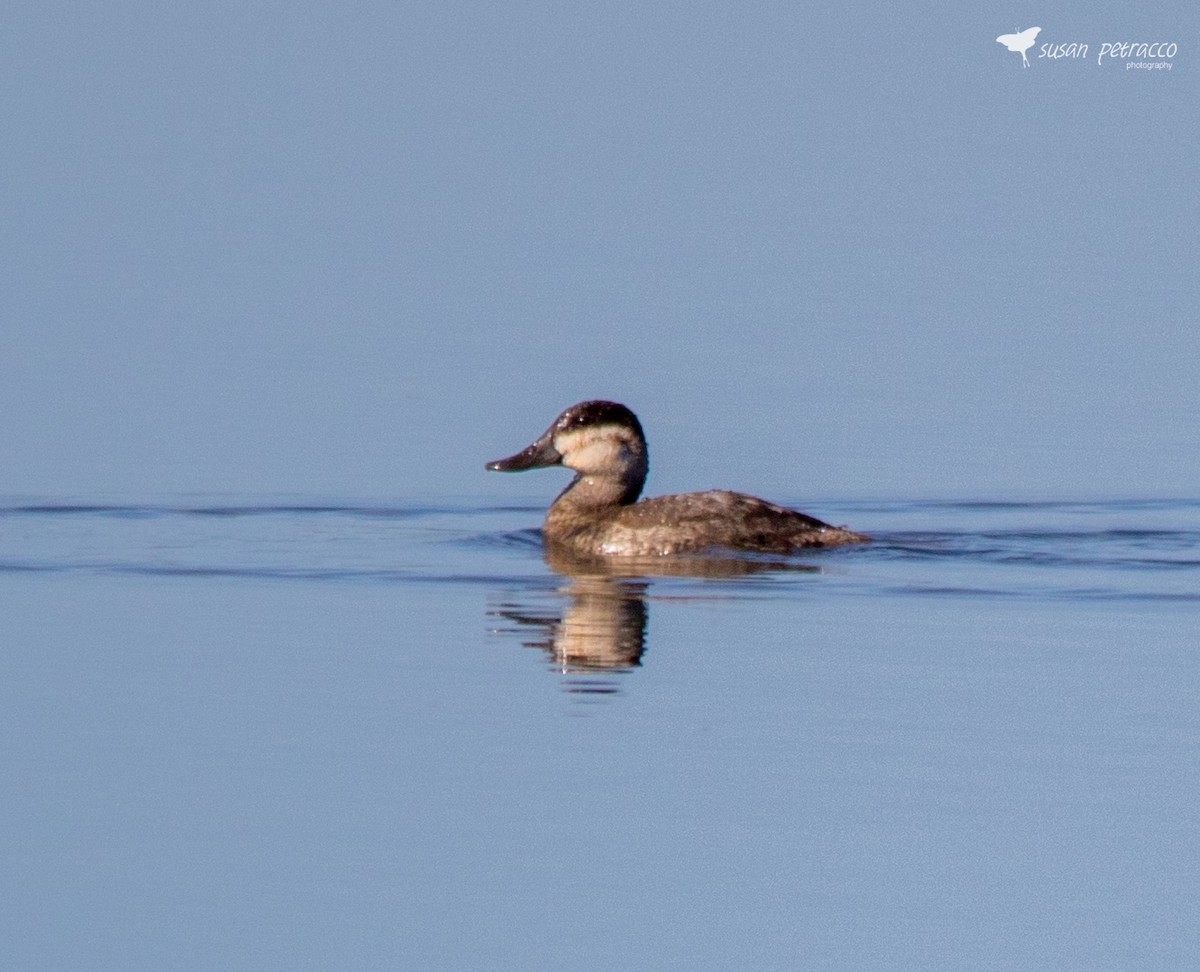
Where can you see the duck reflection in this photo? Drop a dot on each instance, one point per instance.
(601, 626)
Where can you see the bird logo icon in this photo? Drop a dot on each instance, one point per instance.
(1020, 42)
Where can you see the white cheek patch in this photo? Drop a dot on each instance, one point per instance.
(592, 450)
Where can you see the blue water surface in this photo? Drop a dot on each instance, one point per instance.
(260, 734)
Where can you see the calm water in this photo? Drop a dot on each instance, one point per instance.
(291, 735)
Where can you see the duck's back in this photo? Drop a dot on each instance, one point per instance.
(692, 522)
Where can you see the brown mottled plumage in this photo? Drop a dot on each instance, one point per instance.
(598, 515)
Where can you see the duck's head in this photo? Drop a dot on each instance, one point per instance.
(602, 441)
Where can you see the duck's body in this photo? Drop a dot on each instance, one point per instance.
(688, 523)
(598, 514)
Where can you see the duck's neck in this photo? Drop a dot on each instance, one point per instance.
(598, 491)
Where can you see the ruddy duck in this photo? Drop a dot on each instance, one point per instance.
(598, 515)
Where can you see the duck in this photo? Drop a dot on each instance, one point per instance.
(599, 514)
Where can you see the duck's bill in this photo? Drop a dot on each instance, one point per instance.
(535, 456)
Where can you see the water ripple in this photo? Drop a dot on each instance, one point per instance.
(1136, 550)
